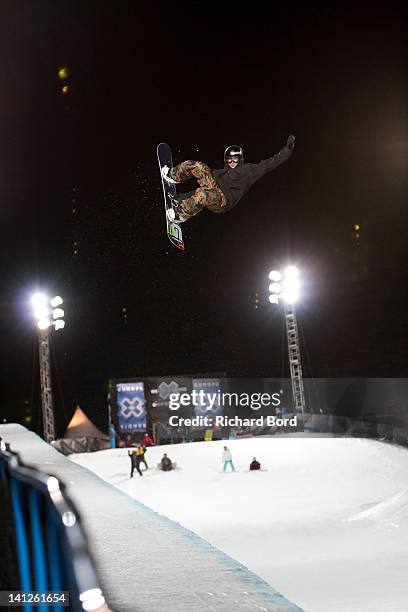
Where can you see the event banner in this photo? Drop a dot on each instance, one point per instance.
(131, 404)
(162, 388)
(207, 393)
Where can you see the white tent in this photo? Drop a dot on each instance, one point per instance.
(81, 436)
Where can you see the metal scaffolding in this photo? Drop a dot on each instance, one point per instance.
(294, 358)
(46, 390)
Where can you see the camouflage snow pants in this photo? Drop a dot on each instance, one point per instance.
(208, 194)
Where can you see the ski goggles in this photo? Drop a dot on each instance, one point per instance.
(232, 159)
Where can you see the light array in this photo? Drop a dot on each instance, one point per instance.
(284, 285)
(46, 311)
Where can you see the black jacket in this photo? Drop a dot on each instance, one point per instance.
(166, 463)
(235, 182)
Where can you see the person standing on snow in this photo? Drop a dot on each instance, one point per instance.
(134, 462)
(220, 190)
(140, 456)
(147, 440)
(227, 459)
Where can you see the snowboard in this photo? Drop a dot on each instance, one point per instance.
(174, 232)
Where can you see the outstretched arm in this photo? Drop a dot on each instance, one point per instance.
(267, 165)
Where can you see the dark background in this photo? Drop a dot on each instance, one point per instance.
(82, 212)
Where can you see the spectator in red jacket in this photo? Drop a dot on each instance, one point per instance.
(255, 465)
(146, 440)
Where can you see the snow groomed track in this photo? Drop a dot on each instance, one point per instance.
(145, 561)
(326, 523)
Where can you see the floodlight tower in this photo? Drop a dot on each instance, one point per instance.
(285, 285)
(47, 314)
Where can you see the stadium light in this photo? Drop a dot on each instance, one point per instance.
(57, 313)
(288, 286)
(46, 312)
(274, 275)
(291, 272)
(56, 301)
(39, 300)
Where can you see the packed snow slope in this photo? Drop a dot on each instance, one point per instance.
(146, 562)
(325, 521)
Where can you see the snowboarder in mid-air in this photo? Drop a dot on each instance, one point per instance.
(219, 190)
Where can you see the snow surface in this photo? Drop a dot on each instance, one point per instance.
(146, 562)
(325, 521)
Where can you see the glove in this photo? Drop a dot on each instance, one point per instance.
(290, 144)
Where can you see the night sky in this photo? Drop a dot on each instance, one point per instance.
(82, 212)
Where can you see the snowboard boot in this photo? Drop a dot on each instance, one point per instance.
(165, 174)
(174, 214)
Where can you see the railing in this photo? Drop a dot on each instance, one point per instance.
(43, 546)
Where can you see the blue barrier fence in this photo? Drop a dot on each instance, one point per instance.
(43, 547)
